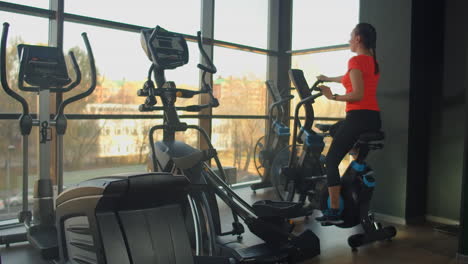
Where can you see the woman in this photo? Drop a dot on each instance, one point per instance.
(362, 110)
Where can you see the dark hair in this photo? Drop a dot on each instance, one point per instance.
(369, 38)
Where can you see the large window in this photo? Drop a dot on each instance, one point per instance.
(176, 15)
(97, 146)
(242, 22)
(323, 23)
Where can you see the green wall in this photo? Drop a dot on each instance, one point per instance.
(392, 20)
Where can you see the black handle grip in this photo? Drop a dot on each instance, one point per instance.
(314, 87)
(91, 88)
(204, 68)
(3, 74)
(210, 68)
(77, 70)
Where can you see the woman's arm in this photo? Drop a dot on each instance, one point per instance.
(358, 87)
(330, 79)
(335, 79)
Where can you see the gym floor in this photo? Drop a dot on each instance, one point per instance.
(413, 244)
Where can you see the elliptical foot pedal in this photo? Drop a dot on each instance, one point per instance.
(44, 238)
(307, 245)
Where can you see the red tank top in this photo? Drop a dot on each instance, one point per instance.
(366, 65)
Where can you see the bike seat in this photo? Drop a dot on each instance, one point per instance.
(371, 136)
(323, 127)
(268, 208)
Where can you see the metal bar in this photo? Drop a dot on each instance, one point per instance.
(108, 24)
(43, 106)
(56, 40)
(235, 46)
(59, 164)
(319, 49)
(25, 173)
(9, 116)
(26, 10)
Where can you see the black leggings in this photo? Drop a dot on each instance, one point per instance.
(345, 133)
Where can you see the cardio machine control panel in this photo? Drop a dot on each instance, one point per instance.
(167, 50)
(43, 66)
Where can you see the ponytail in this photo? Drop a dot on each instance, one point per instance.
(377, 70)
(369, 37)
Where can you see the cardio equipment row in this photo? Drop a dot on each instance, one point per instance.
(170, 215)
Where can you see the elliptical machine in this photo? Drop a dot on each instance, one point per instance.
(276, 138)
(266, 219)
(45, 70)
(309, 182)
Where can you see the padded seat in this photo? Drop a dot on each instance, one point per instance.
(268, 208)
(371, 136)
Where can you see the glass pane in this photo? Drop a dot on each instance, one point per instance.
(242, 21)
(323, 23)
(330, 64)
(95, 148)
(37, 3)
(176, 15)
(239, 83)
(122, 68)
(19, 32)
(11, 168)
(234, 140)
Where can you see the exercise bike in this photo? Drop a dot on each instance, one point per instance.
(276, 138)
(268, 220)
(306, 175)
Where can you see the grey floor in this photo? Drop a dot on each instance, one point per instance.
(413, 244)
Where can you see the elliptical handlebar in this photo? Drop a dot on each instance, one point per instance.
(282, 101)
(210, 68)
(75, 83)
(92, 66)
(315, 86)
(77, 70)
(4, 81)
(310, 98)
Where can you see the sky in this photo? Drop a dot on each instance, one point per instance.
(119, 54)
